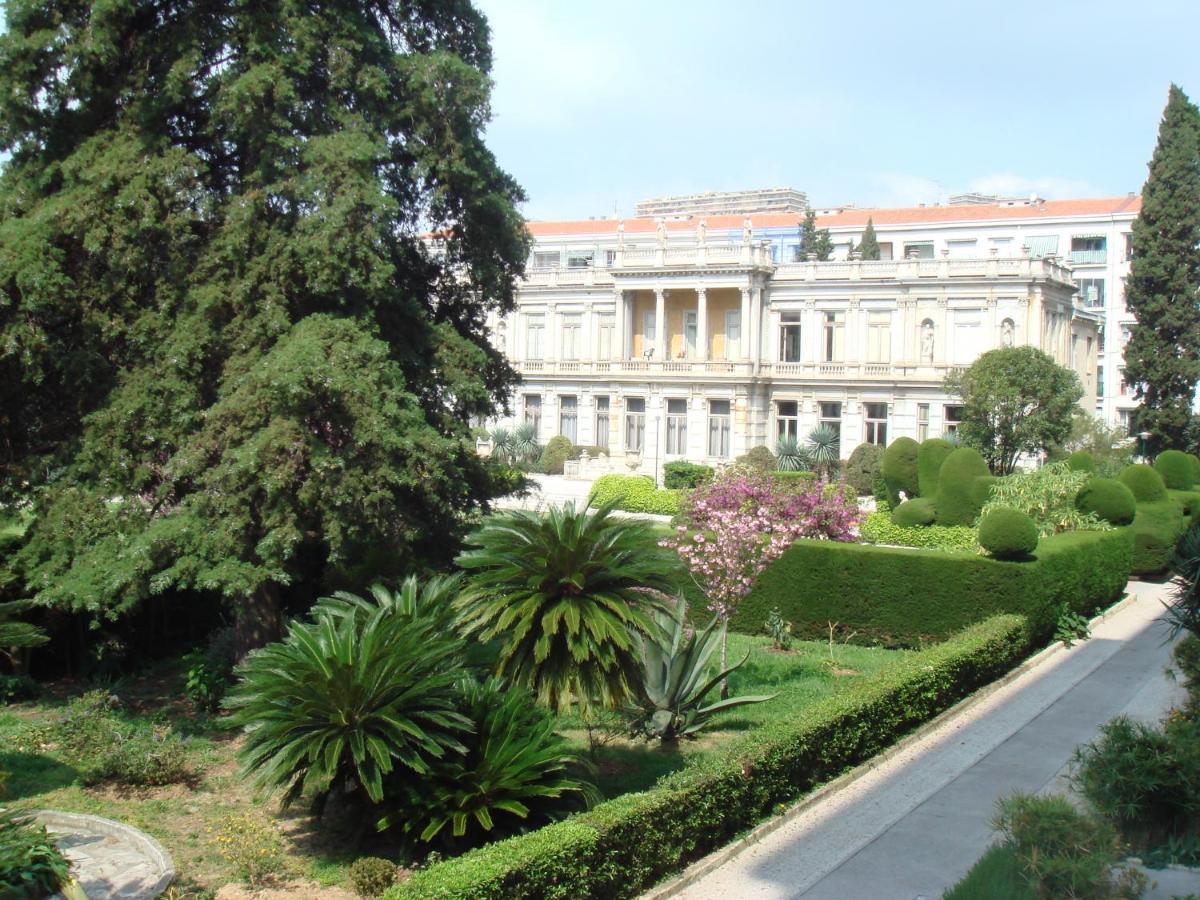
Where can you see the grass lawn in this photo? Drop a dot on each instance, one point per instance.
(997, 876)
(183, 816)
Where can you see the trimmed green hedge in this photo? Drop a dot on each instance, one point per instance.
(1156, 529)
(634, 493)
(899, 597)
(1189, 501)
(962, 487)
(878, 528)
(930, 456)
(623, 846)
(1109, 499)
(1176, 469)
(1146, 484)
(680, 475)
(915, 513)
(899, 469)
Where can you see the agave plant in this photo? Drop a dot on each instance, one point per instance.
(525, 443)
(566, 593)
(790, 456)
(515, 774)
(503, 448)
(678, 677)
(347, 698)
(824, 448)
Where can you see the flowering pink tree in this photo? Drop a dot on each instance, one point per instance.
(734, 527)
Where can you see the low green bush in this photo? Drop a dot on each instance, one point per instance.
(31, 865)
(760, 458)
(1081, 461)
(914, 513)
(16, 688)
(879, 528)
(863, 467)
(899, 469)
(634, 493)
(962, 487)
(1048, 496)
(1007, 533)
(1107, 499)
(681, 475)
(1176, 469)
(556, 452)
(1186, 655)
(1146, 484)
(1156, 529)
(371, 876)
(930, 456)
(900, 597)
(1189, 501)
(604, 853)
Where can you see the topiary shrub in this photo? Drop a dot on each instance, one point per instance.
(863, 467)
(682, 475)
(930, 456)
(899, 468)
(633, 493)
(1176, 469)
(960, 497)
(556, 452)
(915, 512)
(1195, 467)
(1081, 461)
(1109, 499)
(759, 458)
(1008, 533)
(1156, 529)
(371, 876)
(1146, 484)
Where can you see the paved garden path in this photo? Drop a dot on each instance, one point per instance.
(111, 859)
(915, 822)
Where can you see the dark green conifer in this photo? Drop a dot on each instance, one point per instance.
(869, 246)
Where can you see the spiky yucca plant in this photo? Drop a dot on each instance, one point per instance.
(824, 448)
(525, 443)
(790, 456)
(503, 449)
(566, 593)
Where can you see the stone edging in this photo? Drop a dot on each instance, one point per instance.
(717, 858)
(77, 822)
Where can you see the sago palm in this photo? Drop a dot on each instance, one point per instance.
(790, 456)
(824, 448)
(431, 599)
(566, 593)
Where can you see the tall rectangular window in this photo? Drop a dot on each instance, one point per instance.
(1091, 292)
(579, 260)
(533, 411)
(922, 421)
(677, 427)
(568, 417)
(648, 332)
(690, 330)
(546, 259)
(733, 333)
(831, 415)
(918, 250)
(875, 423)
(787, 419)
(606, 328)
(601, 440)
(718, 428)
(952, 418)
(535, 334)
(835, 337)
(635, 424)
(789, 337)
(879, 337)
(572, 335)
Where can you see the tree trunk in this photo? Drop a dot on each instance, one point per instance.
(258, 619)
(725, 660)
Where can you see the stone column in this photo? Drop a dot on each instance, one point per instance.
(744, 340)
(660, 324)
(701, 324)
(551, 336)
(756, 327)
(618, 348)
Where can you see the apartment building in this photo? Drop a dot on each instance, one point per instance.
(699, 337)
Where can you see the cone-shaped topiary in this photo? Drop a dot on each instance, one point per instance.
(960, 497)
(900, 469)
(1176, 470)
(1109, 499)
(1081, 461)
(1146, 484)
(1007, 533)
(918, 511)
(930, 456)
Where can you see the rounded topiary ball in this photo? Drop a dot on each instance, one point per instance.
(1146, 484)
(1109, 499)
(960, 495)
(914, 513)
(1081, 461)
(1007, 533)
(899, 468)
(930, 456)
(1176, 470)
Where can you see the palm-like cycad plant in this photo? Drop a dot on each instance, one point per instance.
(790, 456)
(503, 449)
(824, 448)
(433, 599)
(566, 593)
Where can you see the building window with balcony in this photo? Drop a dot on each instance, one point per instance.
(577, 260)
(789, 337)
(546, 259)
(601, 436)
(572, 335)
(690, 330)
(787, 420)
(635, 424)
(835, 337)
(879, 337)
(922, 421)
(648, 331)
(718, 428)
(606, 327)
(568, 417)
(610, 258)
(918, 250)
(1099, 382)
(1091, 292)
(535, 335)
(676, 427)
(1089, 248)
(831, 415)
(875, 423)
(533, 411)
(951, 419)
(733, 333)
(1125, 421)
(885, 250)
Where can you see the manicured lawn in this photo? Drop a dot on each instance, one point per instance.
(997, 876)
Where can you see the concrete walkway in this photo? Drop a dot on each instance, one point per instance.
(914, 823)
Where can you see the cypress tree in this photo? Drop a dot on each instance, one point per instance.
(813, 239)
(1163, 354)
(869, 246)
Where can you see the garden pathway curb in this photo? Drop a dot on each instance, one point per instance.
(111, 859)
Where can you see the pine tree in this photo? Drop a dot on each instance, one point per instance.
(813, 239)
(1163, 354)
(229, 363)
(869, 245)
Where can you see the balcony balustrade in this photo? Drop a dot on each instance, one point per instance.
(735, 368)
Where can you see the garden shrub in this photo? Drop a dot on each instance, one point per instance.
(31, 865)
(796, 481)
(1107, 499)
(930, 456)
(1047, 495)
(252, 846)
(633, 493)
(1146, 484)
(900, 597)
(1186, 655)
(209, 672)
(878, 528)
(1007, 533)
(1176, 469)
(914, 513)
(15, 688)
(370, 876)
(1081, 461)
(1195, 468)
(1189, 501)
(681, 475)
(760, 458)
(604, 853)
(1156, 529)
(556, 452)
(864, 465)
(899, 468)
(959, 497)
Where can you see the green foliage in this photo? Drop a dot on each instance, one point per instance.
(252, 846)
(605, 852)
(16, 635)
(682, 475)
(996, 875)
(791, 457)
(879, 528)
(1063, 852)
(930, 456)
(1107, 499)
(760, 458)
(209, 672)
(567, 593)
(813, 239)
(556, 452)
(1109, 446)
(345, 699)
(1071, 626)
(1048, 496)
(1176, 469)
(959, 497)
(1007, 533)
(15, 688)
(1189, 501)
(1081, 461)
(1163, 354)
(504, 448)
(824, 449)
(30, 864)
(901, 597)
(899, 469)
(1156, 529)
(800, 481)
(371, 876)
(869, 245)
(778, 629)
(863, 467)
(1186, 655)
(914, 513)
(633, 493)
(1184, 612)
(677, 678)
(1016, 400)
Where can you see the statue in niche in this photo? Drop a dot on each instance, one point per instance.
(661, 229)
(927, 341)
(747, 230)
(1007, 333)
(702, 231)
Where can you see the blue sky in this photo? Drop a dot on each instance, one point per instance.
(599, 105)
